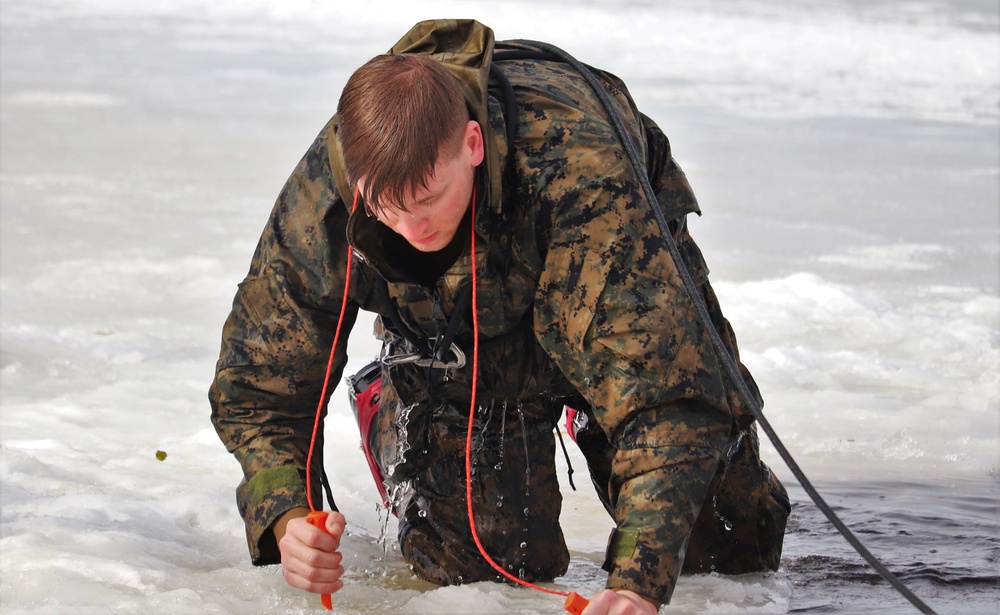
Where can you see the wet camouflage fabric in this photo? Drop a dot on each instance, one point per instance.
(578, 301)
(516, 498)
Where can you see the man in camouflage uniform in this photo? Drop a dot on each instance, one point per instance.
(579, 304)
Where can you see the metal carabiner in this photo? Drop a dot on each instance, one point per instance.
(422, 360)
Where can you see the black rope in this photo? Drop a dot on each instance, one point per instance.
(460, 309)
(569, 464)
(509, 100)
(327, 489)
(728, 362)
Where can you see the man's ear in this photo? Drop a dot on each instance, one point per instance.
(474, 141)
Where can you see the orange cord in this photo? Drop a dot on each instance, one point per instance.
(468, 438)
(329, 366)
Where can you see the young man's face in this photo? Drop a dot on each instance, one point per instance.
(434, 213)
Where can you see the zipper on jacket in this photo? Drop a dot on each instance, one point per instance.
(437, 315)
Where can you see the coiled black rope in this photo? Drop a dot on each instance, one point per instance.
(730, 364)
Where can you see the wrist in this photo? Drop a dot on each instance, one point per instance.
(655, 604)
(280, 526)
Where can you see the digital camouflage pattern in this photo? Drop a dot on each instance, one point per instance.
(578, 301)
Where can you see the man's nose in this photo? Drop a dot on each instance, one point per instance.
(414, 226)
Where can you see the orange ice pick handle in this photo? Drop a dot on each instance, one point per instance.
(318, 519)
(575, 603)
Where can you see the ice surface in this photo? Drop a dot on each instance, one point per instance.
(845, 154)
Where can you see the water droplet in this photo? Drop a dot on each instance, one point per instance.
(520, 573)
(422, 514)
(729, 525)
(498, 466)
(524, 545)
(500, 504)
(525, 511)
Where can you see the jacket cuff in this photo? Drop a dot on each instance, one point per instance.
(634, 564)
(262, 500)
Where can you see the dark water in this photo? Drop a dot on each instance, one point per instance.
(941, 540)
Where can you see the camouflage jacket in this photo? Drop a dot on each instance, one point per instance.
(571, 265)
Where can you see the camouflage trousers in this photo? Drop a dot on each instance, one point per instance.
(741, 526)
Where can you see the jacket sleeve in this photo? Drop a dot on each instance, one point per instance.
(275, 347)
(612, 312)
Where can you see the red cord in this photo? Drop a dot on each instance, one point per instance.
(329, 366)
(472, 414)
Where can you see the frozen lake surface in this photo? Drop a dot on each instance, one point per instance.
(846, 154)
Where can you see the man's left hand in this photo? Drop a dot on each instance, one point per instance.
(620, 602)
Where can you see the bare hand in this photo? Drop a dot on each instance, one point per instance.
(309, 557)
(620, 602)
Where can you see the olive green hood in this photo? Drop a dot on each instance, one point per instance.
(465, 47)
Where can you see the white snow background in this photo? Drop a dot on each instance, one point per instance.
(846, 155)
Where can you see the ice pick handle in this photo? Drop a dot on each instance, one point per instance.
(318, 519)
(575, 603)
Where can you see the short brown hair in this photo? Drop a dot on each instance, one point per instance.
(394, 115)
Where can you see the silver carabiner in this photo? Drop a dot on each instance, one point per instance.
(400, 359)
(422, 360)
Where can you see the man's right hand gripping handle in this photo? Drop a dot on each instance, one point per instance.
(309, 543)
(318, 519)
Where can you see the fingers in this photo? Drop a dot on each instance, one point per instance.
(313, 579)
(309, 556)
(335, 525)
(324, 539)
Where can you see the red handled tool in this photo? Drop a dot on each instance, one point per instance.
(318, 519)
(575, 603)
